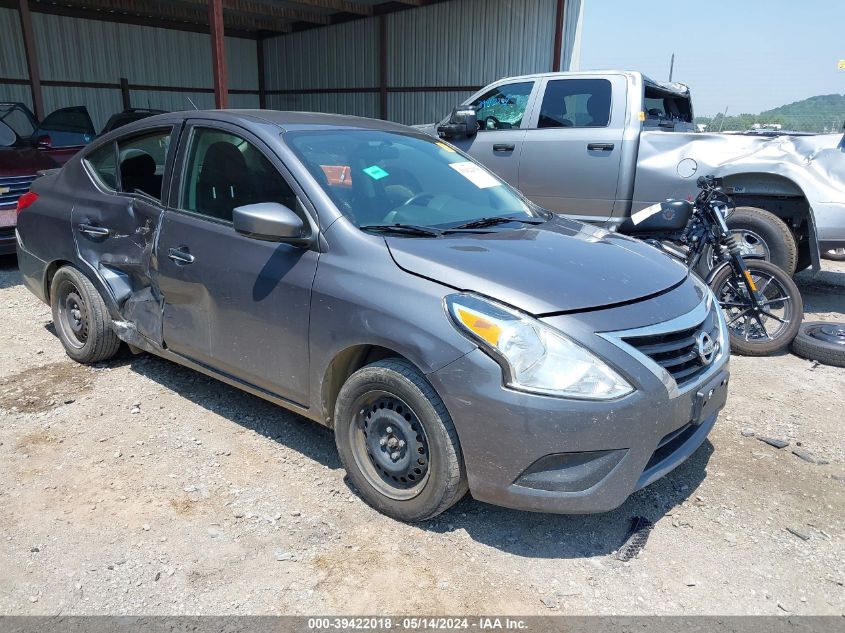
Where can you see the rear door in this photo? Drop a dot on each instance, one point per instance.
(572, 150)
(502, 112)
(115, 220)
(233, 303)
(64, 132)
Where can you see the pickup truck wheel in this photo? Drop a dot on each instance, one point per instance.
(835, 254)
(397, 442)
(81, 318)
(761, 235)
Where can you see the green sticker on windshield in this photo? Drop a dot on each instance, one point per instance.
(375, 172)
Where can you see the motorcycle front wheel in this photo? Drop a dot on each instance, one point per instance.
(766, 328)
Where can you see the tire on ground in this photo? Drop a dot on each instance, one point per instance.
(100, 343)
(783, 251)
(835, 255)
(811, 347)
(447, 481)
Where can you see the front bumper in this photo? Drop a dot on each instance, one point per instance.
(546, 454)
(8, 242)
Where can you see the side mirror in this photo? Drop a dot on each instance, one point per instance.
(463, 123)
(271, 222)
(44, 142)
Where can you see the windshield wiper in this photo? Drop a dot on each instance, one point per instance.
(406, 229)
(493, 221)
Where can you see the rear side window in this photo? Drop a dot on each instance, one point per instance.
(102, 162)
(576, 103)
(142, 163)
(68, 120)
(225, 171)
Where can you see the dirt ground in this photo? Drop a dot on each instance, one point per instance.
(141, 487)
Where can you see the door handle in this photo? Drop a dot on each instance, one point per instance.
(94, 231)
(503, 147)
(180, 255)
(601, 147)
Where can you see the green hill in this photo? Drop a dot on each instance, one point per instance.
(822, 113)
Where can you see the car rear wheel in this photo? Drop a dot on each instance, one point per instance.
(398, 443)
(81, 318)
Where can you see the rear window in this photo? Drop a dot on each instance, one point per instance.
(665, 109)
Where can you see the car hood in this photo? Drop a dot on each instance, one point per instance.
(23, 161)
(558, 266)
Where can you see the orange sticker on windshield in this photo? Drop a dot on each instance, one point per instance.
(337, 175)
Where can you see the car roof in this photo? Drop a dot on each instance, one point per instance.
(285, 120)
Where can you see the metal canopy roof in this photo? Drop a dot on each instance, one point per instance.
(247, 18)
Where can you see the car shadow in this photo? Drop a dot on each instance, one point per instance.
(824, 292)
(536, 535)
(525, 534)
(250, 412)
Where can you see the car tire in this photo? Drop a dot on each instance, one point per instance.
(777, 238)
(835, 254)
(397, 442)
(81, 318)
(823, 341)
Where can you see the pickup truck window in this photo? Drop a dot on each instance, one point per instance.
(576, 103)
(503, 107)
(664, 109)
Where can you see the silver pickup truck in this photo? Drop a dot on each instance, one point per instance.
(599, 146)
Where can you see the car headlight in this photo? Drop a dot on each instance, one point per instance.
(534, 356)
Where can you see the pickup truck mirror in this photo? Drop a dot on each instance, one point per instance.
(463, 123)
(271, 222)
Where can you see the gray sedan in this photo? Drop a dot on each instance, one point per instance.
(382, 283)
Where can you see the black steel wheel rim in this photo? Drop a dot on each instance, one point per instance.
(389, 445)
(833, 333)
(73, 315)
(751, 323)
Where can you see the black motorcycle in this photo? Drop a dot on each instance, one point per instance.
(761, 303)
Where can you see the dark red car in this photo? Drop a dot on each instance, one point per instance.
(27, 147)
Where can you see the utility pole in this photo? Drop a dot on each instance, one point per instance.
(671, 67)
(722, 122)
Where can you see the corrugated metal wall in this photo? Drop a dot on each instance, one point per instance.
(73, 49)
(456, 43)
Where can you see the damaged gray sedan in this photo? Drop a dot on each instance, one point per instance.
(371, 278)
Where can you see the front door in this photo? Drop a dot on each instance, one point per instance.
(236, 304)
(572, 150)
(501, 112)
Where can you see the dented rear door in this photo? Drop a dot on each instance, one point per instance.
(115, 225)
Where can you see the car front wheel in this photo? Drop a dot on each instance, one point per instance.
(398, 443)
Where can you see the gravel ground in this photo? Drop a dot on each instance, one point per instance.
(141, 487)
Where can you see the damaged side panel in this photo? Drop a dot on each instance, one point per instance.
(117, 240)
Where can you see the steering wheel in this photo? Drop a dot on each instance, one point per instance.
(492, 123)
(417, 198)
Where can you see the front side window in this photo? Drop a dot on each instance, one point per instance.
(224, 171)
(387, 178)
(503, 107)
(575, 103)
(142, 163)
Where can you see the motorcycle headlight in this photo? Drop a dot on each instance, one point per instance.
(534, 356)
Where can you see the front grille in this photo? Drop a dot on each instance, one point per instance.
(677, 352)
(16, 185)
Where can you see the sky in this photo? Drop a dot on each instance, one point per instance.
(748, 55)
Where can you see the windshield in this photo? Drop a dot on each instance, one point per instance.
(387, 178)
